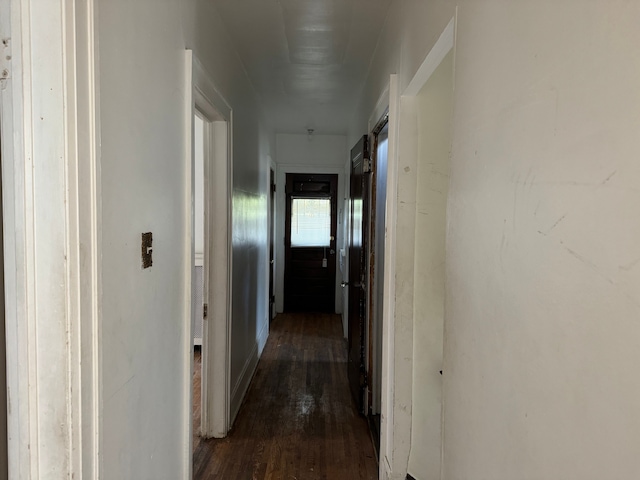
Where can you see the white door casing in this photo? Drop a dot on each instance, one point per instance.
(51, 212)
(216, 338)
(398, 315)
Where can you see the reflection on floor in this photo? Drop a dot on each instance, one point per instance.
(298, 420)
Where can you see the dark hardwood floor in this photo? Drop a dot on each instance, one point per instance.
(298, 421)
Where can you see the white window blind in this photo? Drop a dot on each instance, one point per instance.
(310, 222)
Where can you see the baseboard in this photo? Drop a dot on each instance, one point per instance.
(242, 385)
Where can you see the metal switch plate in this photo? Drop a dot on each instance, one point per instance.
(147, 251)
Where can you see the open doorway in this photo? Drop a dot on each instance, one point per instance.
(210, 274)
(380, 137)
(208, 331)
(200, 280)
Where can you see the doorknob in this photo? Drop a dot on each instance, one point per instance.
(344, 284)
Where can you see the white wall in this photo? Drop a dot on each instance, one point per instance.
(542, 242)
(543, 285)
(297, 153)
(144, 188)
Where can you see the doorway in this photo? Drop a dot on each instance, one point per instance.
(210, 274)
(200, 287)
(210, 127)
(380, 137)
(310, 242)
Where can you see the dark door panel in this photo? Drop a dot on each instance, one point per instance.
(310, 271)
(358, 211)
(272, 210)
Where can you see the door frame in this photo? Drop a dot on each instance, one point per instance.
(397, 335)
(281, 177)
(52, 242)
(375, 280)
(216, 334)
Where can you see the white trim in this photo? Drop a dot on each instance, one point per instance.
(89, 206)
(281, 176)
(248, 371)
(51, 217)
(436, 55)
(189, 273)
(388, 333)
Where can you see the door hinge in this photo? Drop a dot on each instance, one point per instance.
(366, 166)
(273, 187)
(205, 310)
(364, 381)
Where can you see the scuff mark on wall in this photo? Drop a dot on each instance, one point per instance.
(550, 229)
(630, 266)
(592, 266)
(515, 201)
(122, 386)
(609, 177)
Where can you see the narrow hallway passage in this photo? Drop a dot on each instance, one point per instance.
(298, 420)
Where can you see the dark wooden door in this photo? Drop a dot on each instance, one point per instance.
(310, 243)
(272, 210)
(358, 211)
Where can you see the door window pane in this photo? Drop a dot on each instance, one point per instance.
(310, 222)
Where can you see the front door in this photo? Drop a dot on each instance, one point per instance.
(310, 243)
(358, 211)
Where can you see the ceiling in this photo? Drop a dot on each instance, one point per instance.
(307, 59)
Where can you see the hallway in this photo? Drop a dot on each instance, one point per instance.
(298, 420)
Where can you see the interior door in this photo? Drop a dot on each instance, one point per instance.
(272, 211)
(310, 243)
(358, 211)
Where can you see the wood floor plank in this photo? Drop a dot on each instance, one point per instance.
(298, 420)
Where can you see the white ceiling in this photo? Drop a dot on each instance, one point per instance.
(307, 59)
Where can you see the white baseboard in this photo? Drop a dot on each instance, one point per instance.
(242, 385)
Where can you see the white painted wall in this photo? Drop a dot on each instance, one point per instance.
(297, 153)
(542, 243)
(543, 285)
(434, 112)
(144, 188)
